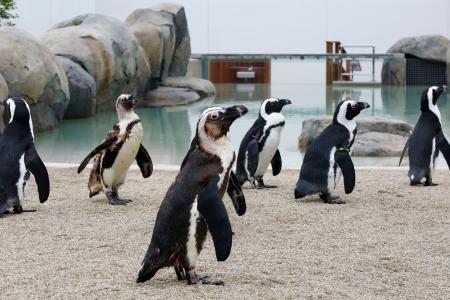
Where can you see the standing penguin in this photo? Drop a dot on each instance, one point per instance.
(329, 155)
(193, 204)
(114, 156)
(427, 139)
(19, 157)
(259, 147)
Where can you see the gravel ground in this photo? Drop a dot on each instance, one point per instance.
(389, 241)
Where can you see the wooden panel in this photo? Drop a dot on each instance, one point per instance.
(225, 71)
(333, 67)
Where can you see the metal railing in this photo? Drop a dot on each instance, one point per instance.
(351, 74)
(206, 57)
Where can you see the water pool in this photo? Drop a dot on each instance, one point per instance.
(169, 130)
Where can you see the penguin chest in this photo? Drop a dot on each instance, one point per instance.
(270, 146)
(24, 175)
(434, 155)
(126, 154)
(227, 156)
(334, 172)
(191, 244)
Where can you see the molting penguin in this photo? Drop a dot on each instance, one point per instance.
(193, 204)
(427, 139)
(259, 147)
(114, 156)
(19, 158)
(329, 155)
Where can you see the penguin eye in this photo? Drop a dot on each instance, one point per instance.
(214, 117)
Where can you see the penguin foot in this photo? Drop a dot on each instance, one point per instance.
(204, 279)
(18, 209)
(430, 183)
(262, 185)
(114, 199)
(117, 201)
(331, 199)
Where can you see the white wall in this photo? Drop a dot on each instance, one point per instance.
(268, 26)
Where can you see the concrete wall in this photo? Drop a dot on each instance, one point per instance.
(270, 26)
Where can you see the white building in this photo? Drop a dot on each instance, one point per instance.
(270, 26)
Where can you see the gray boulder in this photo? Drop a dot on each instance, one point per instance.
(169, 96)
(427, 47)
(4, 92)
(182, 51)
(82, 90)
(155, 31)
(3, 96)
(378, 144)
(32, 71)
(203, 87)
(105, 48)
(377, 136)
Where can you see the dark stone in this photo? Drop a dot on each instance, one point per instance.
(82, 90)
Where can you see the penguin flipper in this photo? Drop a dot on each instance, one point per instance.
(213, 210)
(252, 157)
(443, 146)
(102, 146)
(34, 164)
(144, 162)
(276, 163)
(237, 196)
(404, 150)
(344, 162)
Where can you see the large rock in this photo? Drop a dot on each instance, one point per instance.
(155, 31)
(203, 87)
(178, 91)
(4, 92)
(377, 136)
(427, 47)
(378, 144)
(105, 48)
(3, 96)
(182, 52)
(169, 96)
(33, 72)
(82, 90)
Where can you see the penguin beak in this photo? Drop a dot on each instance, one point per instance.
(442, 89)
(234, 112)
(362, 105)
(132, 100)
(284, 102)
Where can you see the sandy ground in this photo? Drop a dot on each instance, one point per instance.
(389, 241)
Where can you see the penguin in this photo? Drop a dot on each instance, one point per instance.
(259, 147)
(19, 158)
(114, 156)
(427, 139)
(329, 155)
(193, 204)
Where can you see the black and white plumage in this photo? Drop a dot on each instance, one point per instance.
(259, 147)
(114, 156)
(329, 155)
(193, 204)
(19, 157)
(427, 139)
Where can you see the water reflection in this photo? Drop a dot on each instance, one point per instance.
(168, 131)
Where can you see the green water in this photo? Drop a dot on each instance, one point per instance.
(168, 131)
